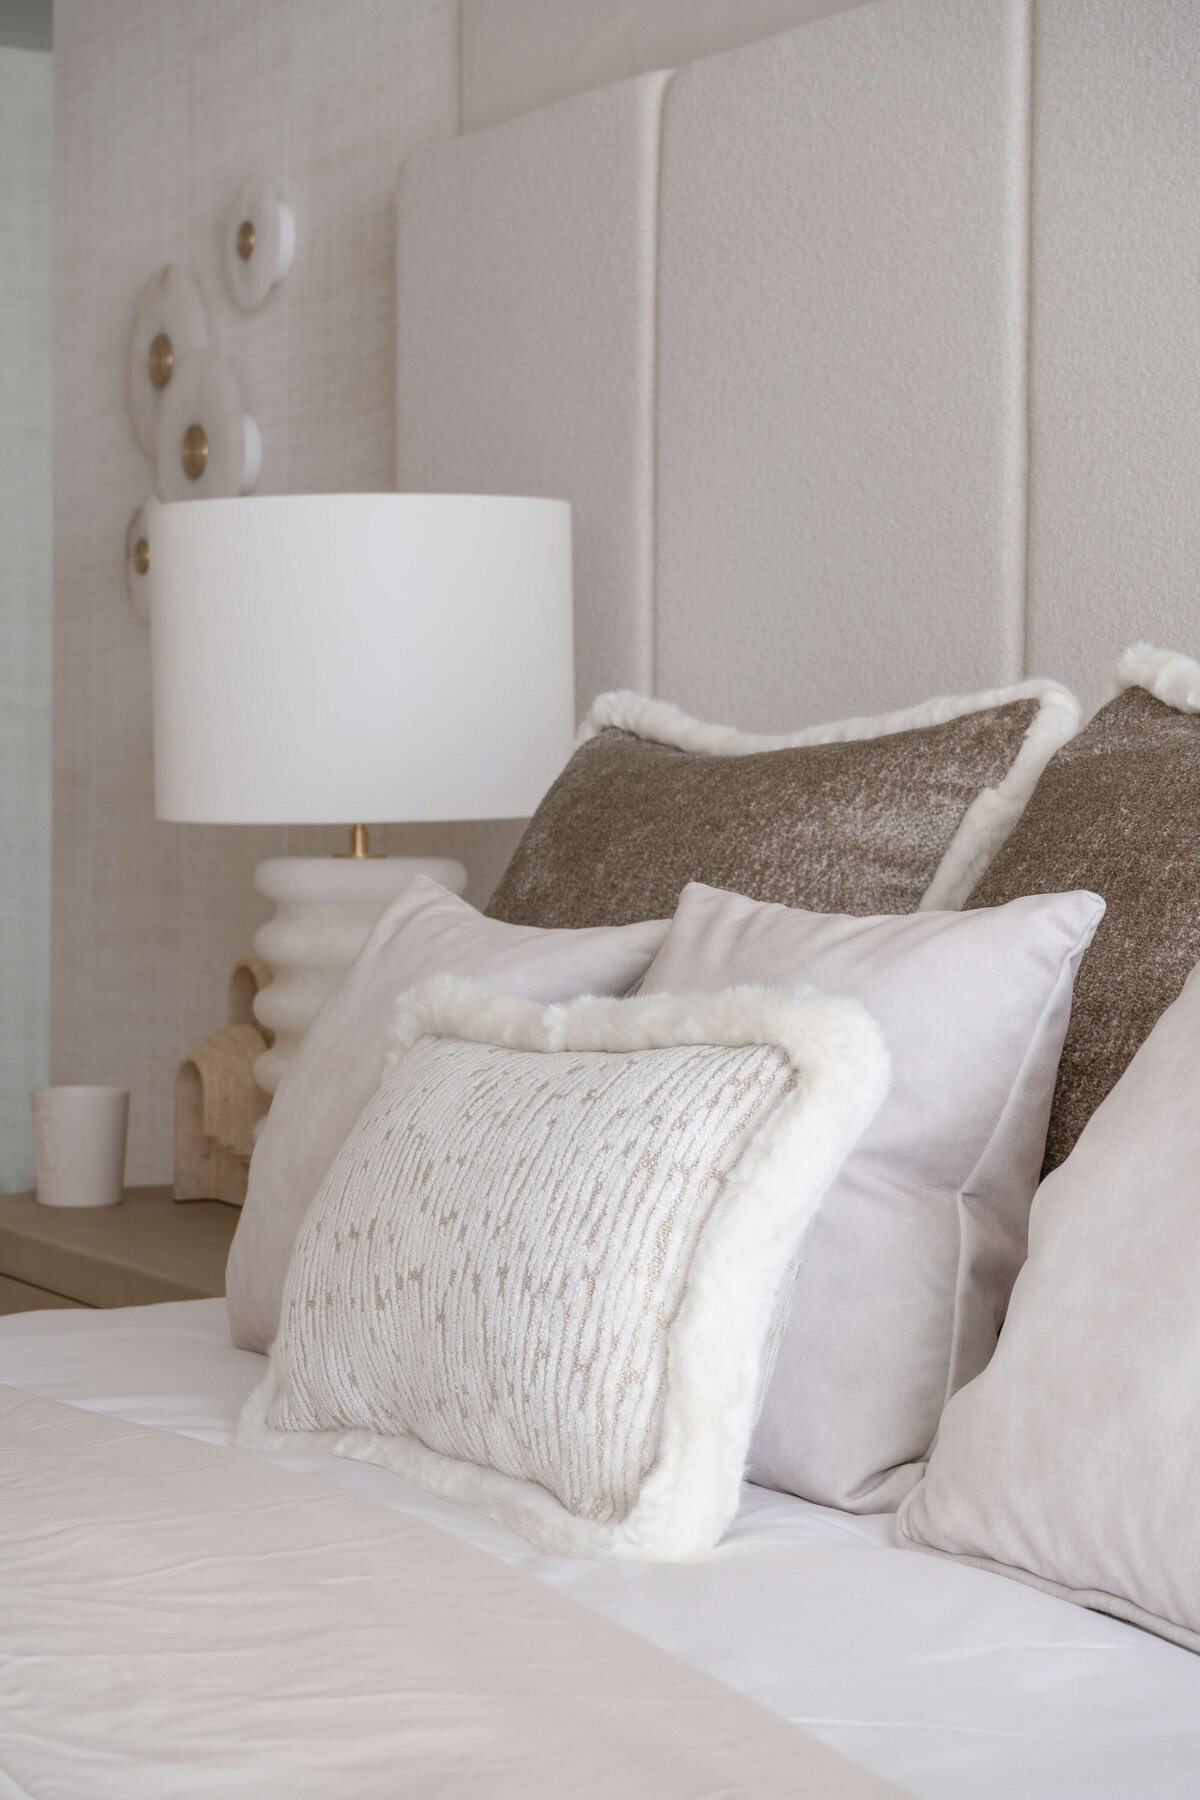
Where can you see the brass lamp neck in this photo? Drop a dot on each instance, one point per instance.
(359, 849)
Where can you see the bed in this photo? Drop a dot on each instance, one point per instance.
(799, 331)
(946, 1680)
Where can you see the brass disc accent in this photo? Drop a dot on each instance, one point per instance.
(141, 556)
(194, 452)
(161, 360)
(246, 239)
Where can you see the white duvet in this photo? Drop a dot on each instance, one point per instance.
(955, 1684)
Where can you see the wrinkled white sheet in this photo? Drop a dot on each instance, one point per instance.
(180, 1621)
(951, 1682)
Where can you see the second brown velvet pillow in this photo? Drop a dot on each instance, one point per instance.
(1117, 811)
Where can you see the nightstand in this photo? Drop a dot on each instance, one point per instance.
(149, 1248)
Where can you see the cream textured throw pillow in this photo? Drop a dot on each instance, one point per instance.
(1073, 1461)
(426, 931)
(542, 1273)
(910, 1262)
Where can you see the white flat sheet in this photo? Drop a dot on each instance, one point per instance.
(954, 1683)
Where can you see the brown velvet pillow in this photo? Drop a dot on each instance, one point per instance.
(864, 816)
(1117, 811)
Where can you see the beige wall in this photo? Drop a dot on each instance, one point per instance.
(162, 107)
(518, 54)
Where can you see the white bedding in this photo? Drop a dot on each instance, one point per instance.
(954, 1683)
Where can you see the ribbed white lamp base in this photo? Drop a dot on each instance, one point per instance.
(325, 908)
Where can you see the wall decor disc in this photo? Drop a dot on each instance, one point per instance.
(168, 325)
(208, 447)
(260, 241)
(137, 558)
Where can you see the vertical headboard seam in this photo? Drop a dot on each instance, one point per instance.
(1021, 265)
(653, 226)
(656, 292)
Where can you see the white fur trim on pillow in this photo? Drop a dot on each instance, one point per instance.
(719, 1339)
(1167, 674)
(985, 824)
(994, 812)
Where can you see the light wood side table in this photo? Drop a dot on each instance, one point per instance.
(149, 1248)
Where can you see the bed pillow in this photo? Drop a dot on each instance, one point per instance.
(910, 1261)
(542, 1273)
(1073, 1461)
(426, 931)
(1118, 810)
(863, 816)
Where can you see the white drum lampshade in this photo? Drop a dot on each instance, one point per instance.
(342, 658)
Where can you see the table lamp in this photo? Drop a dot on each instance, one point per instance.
(343, 658)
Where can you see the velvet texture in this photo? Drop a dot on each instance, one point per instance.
(1073, 1461)
(908, 1267)
(860, 816)
(1114, 811)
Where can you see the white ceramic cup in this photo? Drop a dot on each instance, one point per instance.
(79, 1144)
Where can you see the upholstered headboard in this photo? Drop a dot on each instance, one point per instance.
(869, 355)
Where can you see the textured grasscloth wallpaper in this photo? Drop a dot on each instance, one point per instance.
(162, 107)
(26, 364)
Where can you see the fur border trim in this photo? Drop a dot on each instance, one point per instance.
(983, 827)
(1167, 674)
(720, 1341)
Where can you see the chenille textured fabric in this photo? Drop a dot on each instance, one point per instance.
(550, 1253)
(1116, 810)
(857, 825)
(426, 931)
(527, 1338)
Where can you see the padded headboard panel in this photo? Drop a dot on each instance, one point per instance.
(841, 490)
(526, 259)
(866, 354)
(1114, 551)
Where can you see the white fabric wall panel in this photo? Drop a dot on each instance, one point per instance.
(526, 276)
(1115, 397)
(842, 365)
(527, 53)
(26, 379)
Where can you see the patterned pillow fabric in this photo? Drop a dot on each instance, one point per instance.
(1118, 811)
(863, 816)
(426, 931)
(542, 1273)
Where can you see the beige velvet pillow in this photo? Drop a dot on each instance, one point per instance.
(542, 1272)
(1116, 811)
(908, 1267)
(1073, 1461)
(862, 816)
(426, 931)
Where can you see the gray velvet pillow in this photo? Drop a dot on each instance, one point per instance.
(910, 1261)
(1073, 1461)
